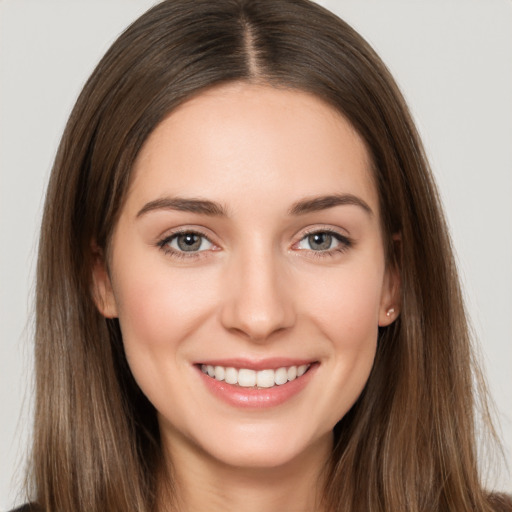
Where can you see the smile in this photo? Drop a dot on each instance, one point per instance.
(259, 379)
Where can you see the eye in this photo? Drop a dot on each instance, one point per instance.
(324, 241)
(187, 242)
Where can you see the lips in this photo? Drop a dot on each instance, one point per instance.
(260, 384)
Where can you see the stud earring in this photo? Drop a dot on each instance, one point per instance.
(390, 311)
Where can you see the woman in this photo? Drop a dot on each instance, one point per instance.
(246, 293)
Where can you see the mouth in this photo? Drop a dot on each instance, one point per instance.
(255, 379)
(257, 385)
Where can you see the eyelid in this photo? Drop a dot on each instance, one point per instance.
(173, 242)
(182, 230)
(346, 242)
(311, 230)
(164, 241)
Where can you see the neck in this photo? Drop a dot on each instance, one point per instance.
(200, 482)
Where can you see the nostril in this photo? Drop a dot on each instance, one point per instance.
(257, 322)
(257, 304)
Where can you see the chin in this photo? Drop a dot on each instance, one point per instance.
(255, 449)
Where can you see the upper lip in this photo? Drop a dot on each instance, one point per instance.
(272, 363)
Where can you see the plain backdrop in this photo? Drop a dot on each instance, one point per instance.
(453, 61)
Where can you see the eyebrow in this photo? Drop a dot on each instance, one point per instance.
(319, 203)
(211, 208)
(200, 206)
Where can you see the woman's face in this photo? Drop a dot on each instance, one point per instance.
(249, 248)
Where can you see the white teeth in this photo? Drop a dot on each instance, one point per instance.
(292, 372)
(265, 378)
(219, 372)
(281, 376)
(250, 378)
(301, 370)
(246, 378)
(231, 376)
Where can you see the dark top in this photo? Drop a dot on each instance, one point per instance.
(27, 508)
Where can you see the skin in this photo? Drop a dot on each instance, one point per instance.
(257, 289)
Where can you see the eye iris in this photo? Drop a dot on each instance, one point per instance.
(320, 241)
(189, 242)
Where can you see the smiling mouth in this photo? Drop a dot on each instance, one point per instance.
(257, 379)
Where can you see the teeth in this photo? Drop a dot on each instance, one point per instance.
(231, 375)
(281, 376)
(246, 378)
(265, 378)
(301, 370)
(250, 378)
(220, 372)
(292, 372)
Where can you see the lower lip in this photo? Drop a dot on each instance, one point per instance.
(257, 398)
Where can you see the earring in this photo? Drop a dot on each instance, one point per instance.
(390, 311)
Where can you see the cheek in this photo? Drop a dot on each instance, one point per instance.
(346, 312)
(145, 315)
(160, 314)
(159, 308)
(346, 306)
(158, 304)
(347, 316)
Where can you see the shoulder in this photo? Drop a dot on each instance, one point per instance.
(501, 502)
(29, 507)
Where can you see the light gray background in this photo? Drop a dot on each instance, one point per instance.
(453, 60)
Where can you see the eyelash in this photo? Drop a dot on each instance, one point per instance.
(345, 244)
(164, 244)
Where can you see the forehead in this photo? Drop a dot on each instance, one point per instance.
(271, 144)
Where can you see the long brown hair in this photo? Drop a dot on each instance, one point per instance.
(409, 441)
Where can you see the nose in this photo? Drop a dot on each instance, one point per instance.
(258, 301)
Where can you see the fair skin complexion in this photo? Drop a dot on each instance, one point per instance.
(250, 238)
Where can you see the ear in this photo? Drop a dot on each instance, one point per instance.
(102, 291)
(391, 289)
